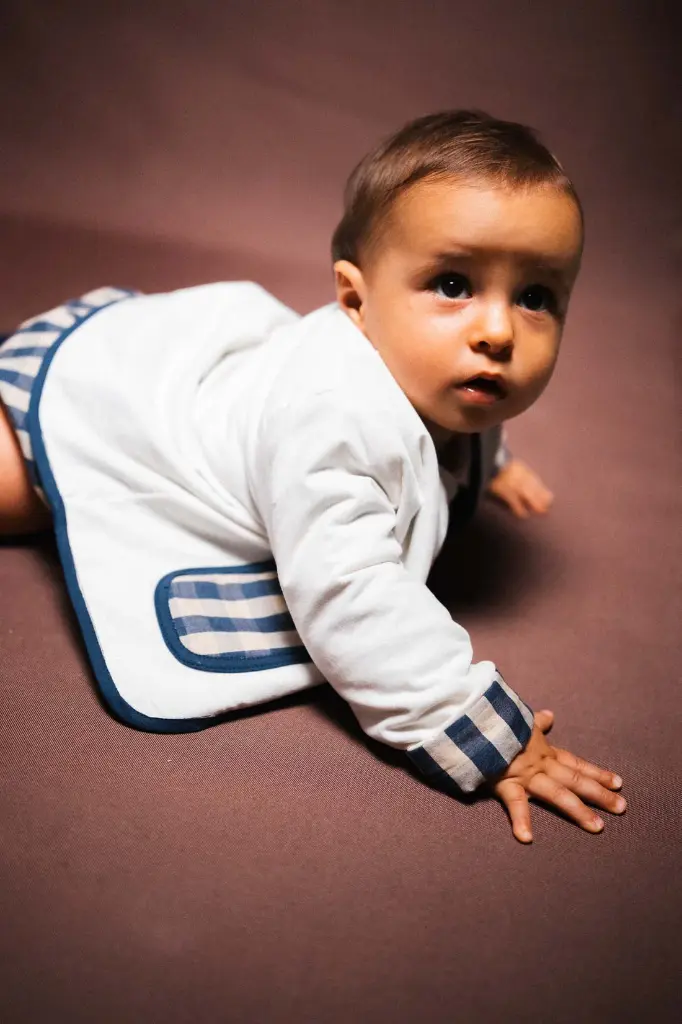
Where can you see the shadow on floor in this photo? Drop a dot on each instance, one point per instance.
(490, 564)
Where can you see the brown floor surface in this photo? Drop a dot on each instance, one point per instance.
(188, 877)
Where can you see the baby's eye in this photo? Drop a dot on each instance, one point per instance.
(536, 295)
(451, 284)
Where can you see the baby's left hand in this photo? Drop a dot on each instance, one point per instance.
(521, 489)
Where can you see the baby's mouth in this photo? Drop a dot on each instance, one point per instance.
(492, 387)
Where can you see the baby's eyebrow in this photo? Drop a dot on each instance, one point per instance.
(554, 268)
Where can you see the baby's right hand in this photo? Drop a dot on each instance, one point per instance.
(558, 778)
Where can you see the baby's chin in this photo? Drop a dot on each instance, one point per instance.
(463, 413)
(468, 419)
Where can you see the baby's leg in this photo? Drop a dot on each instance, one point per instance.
(21, 510)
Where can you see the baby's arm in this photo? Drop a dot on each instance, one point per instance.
(374, 630)
(516, 485)
(330, 488)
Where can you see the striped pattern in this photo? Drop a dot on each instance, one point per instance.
(233, 614)
(23, 353)
(480, 744)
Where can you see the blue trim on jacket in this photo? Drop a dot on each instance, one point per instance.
(120, 707)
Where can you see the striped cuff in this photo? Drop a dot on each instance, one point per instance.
(481, 744)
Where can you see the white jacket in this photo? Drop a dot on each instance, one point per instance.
(246, 504)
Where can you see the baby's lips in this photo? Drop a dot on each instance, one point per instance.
(493, 382)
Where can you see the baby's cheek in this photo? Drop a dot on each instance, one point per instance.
(423, 371)
(533, 384)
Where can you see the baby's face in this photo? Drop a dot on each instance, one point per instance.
(470, 279)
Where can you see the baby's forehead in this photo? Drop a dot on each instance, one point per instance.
(433, 221)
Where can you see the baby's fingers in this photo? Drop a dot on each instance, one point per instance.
(606, 778)
(585, 787)
(554, 793)
(538, 497)
(513, 796)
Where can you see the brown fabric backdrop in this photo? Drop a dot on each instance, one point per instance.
(281, 867)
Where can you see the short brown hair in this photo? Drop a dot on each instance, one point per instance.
(466, 144)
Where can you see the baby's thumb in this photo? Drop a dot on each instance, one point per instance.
(544, 720)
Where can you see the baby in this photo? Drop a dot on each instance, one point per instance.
(248, 502)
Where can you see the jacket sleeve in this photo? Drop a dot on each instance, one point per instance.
(329, 488)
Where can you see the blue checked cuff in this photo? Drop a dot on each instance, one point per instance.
(481, 744)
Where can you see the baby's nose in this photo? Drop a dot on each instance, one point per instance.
(494, 331)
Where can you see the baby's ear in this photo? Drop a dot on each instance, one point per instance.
(350, 290)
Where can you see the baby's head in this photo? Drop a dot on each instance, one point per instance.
(459, 246)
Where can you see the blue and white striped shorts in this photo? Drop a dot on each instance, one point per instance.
(25, 354)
